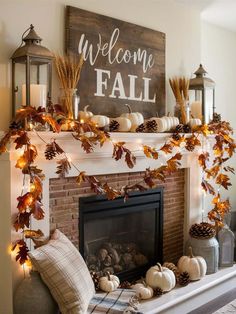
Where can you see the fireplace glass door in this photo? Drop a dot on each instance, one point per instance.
(120, 237)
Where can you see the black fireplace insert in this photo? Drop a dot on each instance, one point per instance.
(124, 238)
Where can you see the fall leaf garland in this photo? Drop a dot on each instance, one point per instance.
(30, 205)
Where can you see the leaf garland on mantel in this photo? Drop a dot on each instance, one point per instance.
(30, 205)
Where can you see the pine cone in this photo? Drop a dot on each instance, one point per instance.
(216, 118)
(186, 128)
(125, 285)
(204, 230)
(174, 268)
(141, 128)
(15, 125)
(151, 126)
(190, 147)
(114, 126)
(176, 136)
(157, 292)
(184, 279)
(179, 128)
(50, 151)
(95, 279)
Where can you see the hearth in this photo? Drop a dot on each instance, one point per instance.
(124, 238)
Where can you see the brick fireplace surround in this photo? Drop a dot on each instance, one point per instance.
(182, 207)
(64, 204)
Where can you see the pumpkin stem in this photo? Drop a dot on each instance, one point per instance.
(107, 273)
(190, 252)
(159, 267)
(157, 114)
(168, 114)
(129, 108)
(144, 283)
(85, 108)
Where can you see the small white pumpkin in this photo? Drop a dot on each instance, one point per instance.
(100, 120)
(85, 115)
(124, 124)
(195, 265)
(136, 118)
(194, 122)
(109, 282)
(162, 277)
(165, 123)
(143, 291)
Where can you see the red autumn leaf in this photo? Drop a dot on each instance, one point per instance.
(207, 187)
(22, 253)
(118, 150)
(150, 152)
(203, 159)
(37, 210)
(81, 177)
(22, 220)
(167, 148)
(22, 140)
(24, 201)
(223, 180)
(63, 167)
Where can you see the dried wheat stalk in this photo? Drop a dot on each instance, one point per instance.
(68, 70)
(180, 87)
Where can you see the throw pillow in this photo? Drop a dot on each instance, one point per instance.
(65, 273)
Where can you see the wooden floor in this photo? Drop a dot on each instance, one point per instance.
(216, 304)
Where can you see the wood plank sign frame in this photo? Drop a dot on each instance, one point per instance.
(124, 64)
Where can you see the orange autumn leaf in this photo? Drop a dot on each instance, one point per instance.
(213, 171)
(223, 180)
(173, 163)
(37, 210)
(167, 148)
(207, 187)
(24, 201)
(110, 192)
(203, 159)
(22, 140)
(81, 177)
(150, 152)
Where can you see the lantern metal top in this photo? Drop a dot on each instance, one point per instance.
(201, 81)
(32, 47)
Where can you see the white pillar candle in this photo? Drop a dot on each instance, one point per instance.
(196, 109)
(38, 95)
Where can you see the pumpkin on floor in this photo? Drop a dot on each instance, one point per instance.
(162, 277)
(85, 115)
(136, 118)
(109, 282)
(195, 265)
(143, 291)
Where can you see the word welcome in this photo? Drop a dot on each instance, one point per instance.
(108, 50)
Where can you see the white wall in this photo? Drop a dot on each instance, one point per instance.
(218, 50)
(181, 25)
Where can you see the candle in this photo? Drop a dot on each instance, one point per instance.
(196, 109)
(38, 95)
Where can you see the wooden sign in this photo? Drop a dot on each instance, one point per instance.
(124, 64)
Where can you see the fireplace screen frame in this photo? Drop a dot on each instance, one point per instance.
(95, 207)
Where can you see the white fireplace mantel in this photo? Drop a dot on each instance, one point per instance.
(95, 163)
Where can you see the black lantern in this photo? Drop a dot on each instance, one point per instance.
(31, 72)
(203, 100)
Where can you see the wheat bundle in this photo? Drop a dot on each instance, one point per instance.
(68, 70)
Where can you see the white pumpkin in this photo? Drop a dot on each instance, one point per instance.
(124, 124)
(85, 115)
(161, 277)
(161, 124)
(136, 118)
(143, 291)
(109, 282)
(194, 122)
(195, 265)
(100, 121)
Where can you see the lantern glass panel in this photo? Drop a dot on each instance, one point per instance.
(20, 80)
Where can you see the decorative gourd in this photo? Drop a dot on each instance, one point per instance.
(124, 124)
(166, 123)
(85, 115)
(195, 265)
(194, 122)
(161, 277)
(136, 118)
(100, 121)
(143, 291)
(109, 282)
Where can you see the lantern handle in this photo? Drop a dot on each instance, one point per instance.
(22, 37)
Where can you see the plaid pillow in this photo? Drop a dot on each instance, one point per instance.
(65, 273)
